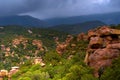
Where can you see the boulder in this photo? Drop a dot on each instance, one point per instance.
(29, 31)
(114, 46)
(14, 70)
(105, 30)
(92, 33)
(61, 48)
(4, 72)
(102, 58)
(96, 42)
(39, 60)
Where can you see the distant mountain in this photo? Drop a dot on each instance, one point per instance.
(108, 18)
(27, 21)
(77, 28)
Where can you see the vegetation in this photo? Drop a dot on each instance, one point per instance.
(112, 72)
(57, 67)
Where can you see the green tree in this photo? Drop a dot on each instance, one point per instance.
(112, 72)
(78, 72)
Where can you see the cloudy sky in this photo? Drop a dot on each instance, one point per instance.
(45, 9)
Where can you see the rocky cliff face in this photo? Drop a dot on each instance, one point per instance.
(104, 46)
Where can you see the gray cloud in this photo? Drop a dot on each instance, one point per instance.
(57, 8)
(13, 7)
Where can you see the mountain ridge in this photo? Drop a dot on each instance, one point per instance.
(22, 21)
(108, 18)
(78, 28)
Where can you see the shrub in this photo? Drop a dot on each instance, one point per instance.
(78, 72)
(112, 72)
(24, 78)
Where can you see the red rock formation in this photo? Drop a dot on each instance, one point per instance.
(92, 33)
(61, 47)
(102, 58)
(96, 42)
(68, 39)
(20, 40)
(105, 30)
(39, 60)
(114, 46)
(56, 40)
(39, 44)
(13, 70)
(3, 47)
(104, 46)
(4, 72)
(82, 36)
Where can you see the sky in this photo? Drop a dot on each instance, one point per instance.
(45, 9)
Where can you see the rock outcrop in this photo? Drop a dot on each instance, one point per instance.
(104, 46)
(39, 60)
(61, 47)
(3, 73)
(20, 40)
(29, 31)
(82, 36)
(14, 70)
(38, 44)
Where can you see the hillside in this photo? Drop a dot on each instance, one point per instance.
(44, 54)
(22, 21)
(107, 18)
(7, 33)
(78, 28)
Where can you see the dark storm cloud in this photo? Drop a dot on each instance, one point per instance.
(115, 2)
(13, 7)
(57, 8)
